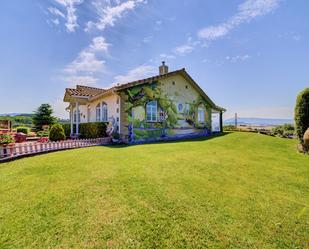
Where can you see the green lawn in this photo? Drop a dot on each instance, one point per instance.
(240, 190)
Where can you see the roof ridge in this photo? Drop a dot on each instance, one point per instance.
(90, 87)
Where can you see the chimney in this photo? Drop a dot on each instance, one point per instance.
(163, 69)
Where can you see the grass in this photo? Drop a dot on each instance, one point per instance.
(240, 190)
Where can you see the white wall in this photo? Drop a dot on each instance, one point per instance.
(112, 106)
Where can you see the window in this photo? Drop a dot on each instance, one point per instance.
(76, 116)
(201, 115)
(104, 112)
(180, 106)
(98, 112)
(187, 108)
(151, 111)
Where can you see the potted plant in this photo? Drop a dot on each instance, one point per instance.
(7, 141)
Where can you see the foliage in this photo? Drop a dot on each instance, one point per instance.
(240, 190)
(229, 128)
(6, 139)
(43, 116)
(302, 114)
(56, 133)
(24, 130)
(92, 130)
(87, 130)
(284, 131)
(42, 133)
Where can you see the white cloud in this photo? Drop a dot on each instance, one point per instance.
(167, 56)
(81, 80)
(99, 45)
(238, 58)
(137, 73)
(87, 60)
(88, 63)
(56, 12)
(70, 17)
(183, 49)
(147, 39)
(108, 15)
(247, 11)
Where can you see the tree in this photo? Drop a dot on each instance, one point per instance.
(56, 133)
(43, 116)
(302, 114)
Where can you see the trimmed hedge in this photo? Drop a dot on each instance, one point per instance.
(87, 130)
(56, 133)
(302, 114)
(24, 130)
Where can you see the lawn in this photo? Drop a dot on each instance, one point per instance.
(239, 190)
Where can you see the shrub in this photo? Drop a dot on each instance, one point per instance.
(229, 128)
(67, 129)
(42, 133)
(92, 130)
(6, 139)
(302, 114)
(285, 131)
(56, 133)
(24, 130)
(87, 130)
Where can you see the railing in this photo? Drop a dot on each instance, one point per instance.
(23, 149)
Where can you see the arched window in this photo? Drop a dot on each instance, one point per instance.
(201, 115)
(151, 111)
(98, 112)
(104, 112)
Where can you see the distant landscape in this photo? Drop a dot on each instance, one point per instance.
(258, 121)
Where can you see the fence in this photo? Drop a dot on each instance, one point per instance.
(17, 150)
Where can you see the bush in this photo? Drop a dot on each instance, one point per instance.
(6, 139)
(56, 133)
(24, 130)
(302, 114)
(229, 128)
(42, 133)
(87, 130)
(285, 131)
(92, 130)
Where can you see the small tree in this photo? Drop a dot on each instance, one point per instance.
(302, 114)
(43, 116)
(56, 133)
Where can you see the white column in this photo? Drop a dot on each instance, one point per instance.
(77, 118)
(71, 119)
(101, 111)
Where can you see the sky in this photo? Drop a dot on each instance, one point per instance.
(249, 56)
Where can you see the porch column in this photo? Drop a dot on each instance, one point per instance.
(77, 118)
(221, 123)
(71, 119)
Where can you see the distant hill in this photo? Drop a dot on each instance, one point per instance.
(258, 121)
(18, 119)
(15, 114)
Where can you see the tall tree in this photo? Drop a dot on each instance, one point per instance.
(43, 116)
(302, 114)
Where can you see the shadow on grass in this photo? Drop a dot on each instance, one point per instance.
(169, 141)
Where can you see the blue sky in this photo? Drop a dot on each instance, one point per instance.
(250, 56)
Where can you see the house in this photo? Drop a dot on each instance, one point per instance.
(167, 106)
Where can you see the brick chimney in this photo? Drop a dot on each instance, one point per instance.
(163, 69)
